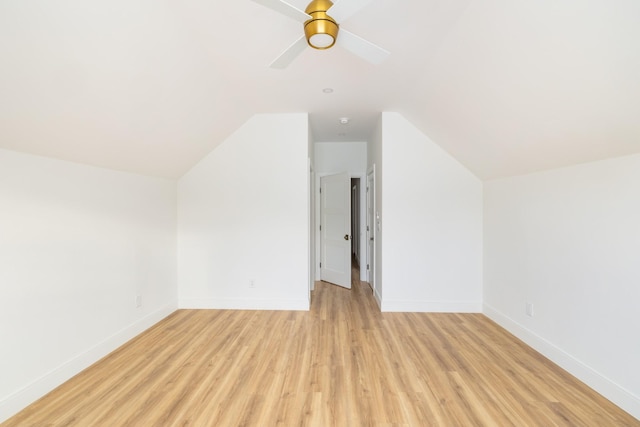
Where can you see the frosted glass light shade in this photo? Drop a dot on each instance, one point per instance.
(321, 41)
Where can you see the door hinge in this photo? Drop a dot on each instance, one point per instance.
(367, 228)
(320, 227)
(367, 266)
(320, 265)
(320, 190)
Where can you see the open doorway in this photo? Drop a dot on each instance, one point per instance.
(370, 228)
(344, 236)
(355, 222)
(335, 229)
(357, 254)
(331, 158)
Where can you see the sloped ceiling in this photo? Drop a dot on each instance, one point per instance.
(507, 87)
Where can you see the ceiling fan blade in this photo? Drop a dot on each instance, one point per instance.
(285, 8)
(364, 49)
(289, 54)
(343, 9)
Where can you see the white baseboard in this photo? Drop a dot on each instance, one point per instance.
(612, 391)
(243, 304)
(432, 306)
(22, 398)
(378, 298)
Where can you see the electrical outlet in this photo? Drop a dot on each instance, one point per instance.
(138, 301)
(529, 309)
(252, 283)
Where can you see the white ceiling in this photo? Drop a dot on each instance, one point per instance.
(507, 87)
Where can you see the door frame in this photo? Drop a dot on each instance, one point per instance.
(362, 235)
(371, 226)
(311, 217)
(339, 273)
(363, 213)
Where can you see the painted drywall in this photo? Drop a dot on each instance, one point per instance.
(567, 241)
(77, 245)
(338, 157)
(432, 253)
(243, 217)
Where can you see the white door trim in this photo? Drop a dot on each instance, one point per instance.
(363, 220)
(335, 229)
(370, 224)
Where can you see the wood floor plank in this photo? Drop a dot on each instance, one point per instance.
(343, 363)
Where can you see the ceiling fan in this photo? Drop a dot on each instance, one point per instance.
(322, 31)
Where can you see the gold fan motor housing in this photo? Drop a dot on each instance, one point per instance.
(320, 22)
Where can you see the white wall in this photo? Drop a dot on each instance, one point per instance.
(338, 157)
(243, 216)
(77, 245)
(432, 222)
(568, 241)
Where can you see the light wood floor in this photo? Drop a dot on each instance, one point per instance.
(342, 364)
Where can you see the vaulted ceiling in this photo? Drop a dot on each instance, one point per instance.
(507, 87)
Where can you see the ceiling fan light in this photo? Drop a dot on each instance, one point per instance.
(321, 33)
(321, 30)
(321, 41)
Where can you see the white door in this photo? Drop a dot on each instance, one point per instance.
(335, 226)
(370, 227)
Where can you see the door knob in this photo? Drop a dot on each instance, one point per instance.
(346, 237)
